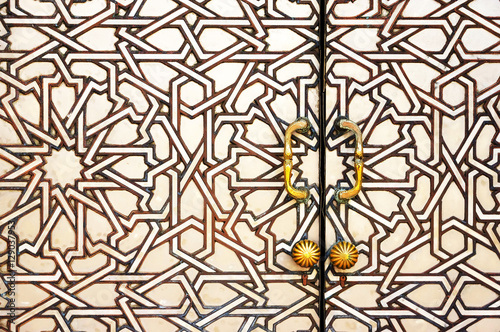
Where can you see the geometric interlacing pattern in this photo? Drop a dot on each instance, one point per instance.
(141, 164)
(141, 161)
(421, 78)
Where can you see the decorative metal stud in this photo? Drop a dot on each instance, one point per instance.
(344, 255)
(305, 253)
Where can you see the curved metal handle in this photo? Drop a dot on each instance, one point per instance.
(301, 125)
(342, 195)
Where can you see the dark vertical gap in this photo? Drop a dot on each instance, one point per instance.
(322, 161)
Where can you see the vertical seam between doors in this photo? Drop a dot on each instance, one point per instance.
(322, 161)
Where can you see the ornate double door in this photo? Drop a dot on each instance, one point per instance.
(141, 165)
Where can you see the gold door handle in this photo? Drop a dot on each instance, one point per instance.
(301, 125)
(343, 195)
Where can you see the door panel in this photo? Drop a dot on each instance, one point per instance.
(142, 169)
(421, 80)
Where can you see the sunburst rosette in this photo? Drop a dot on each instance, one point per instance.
(344, 255)
(306, 253)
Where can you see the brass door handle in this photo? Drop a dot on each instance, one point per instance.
(343, 195)
(301, 125)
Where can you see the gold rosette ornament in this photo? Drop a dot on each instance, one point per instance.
(305, 253)
(344, 255)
